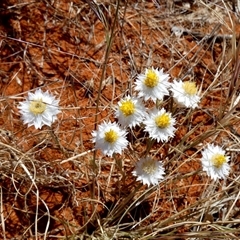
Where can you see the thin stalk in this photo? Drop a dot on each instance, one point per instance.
(109, 40)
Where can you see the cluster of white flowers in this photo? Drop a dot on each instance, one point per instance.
(41, 108)
(158, 123)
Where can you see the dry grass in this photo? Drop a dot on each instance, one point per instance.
(53, 185)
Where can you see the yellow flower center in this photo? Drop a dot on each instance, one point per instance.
(151, 79)
(111, 136)
(149, 166)
(190, 88)
(163, 121)
(127, 108)
(218, 160)
(37, 106)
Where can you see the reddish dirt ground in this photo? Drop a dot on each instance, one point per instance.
(60, 46)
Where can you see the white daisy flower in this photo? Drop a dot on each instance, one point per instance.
(159, 125)
(185, 93)
(214, 162)
(152, 85)
(130, 112)
(149, 171)
(39, 109)
(110, 138)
